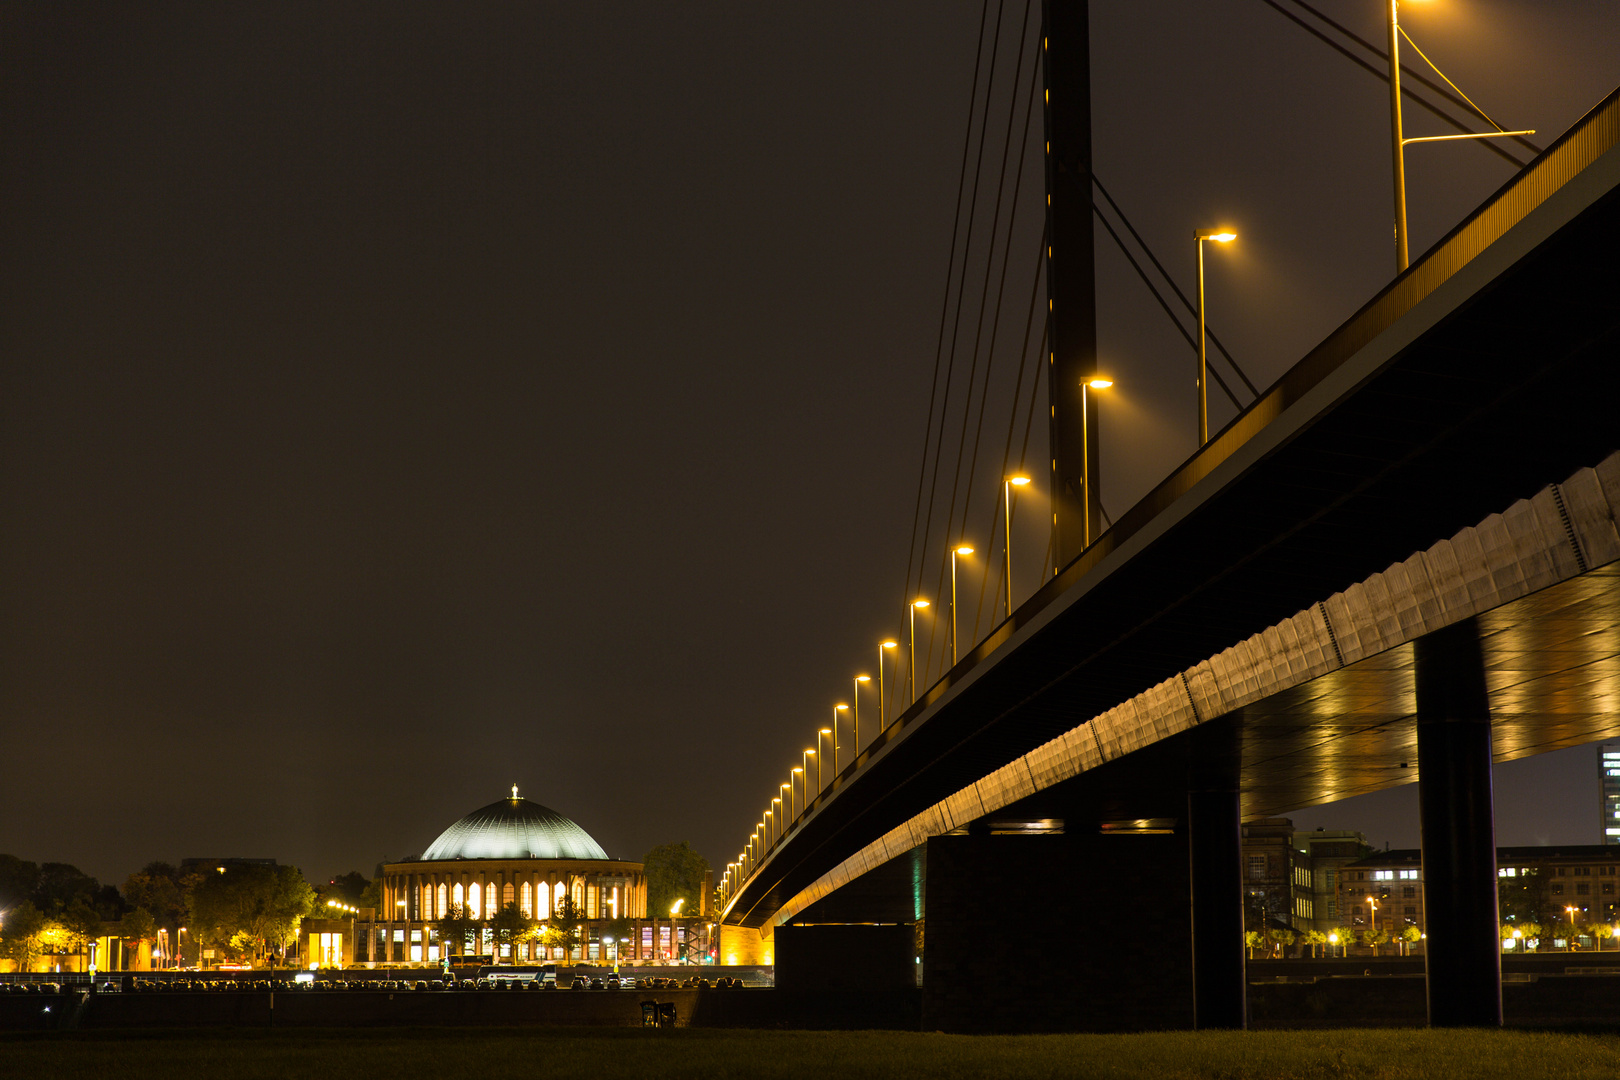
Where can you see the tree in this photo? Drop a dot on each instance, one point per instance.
(164, 891)
(22, 936)
(1598, 931)
(78, 927)
(619, 930)
(1280, 938)
(1313, 938)
(348, 888)
(511, 925)
(674, 872)
(19, 881)
(1374, 938)
(454, 928)
(562, 930)
(1408, 936)
(62, 885)
(1252, 940)
(1343, 937)
(259, 904)
(137, 926)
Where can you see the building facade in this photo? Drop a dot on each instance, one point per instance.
(1608, 757)
(517, 853)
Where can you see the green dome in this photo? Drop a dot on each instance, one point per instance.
(514, 828)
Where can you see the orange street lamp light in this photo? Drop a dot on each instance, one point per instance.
(883, 724)
(911, 643)
(793, 793)
(1006, 517)
(808, 754)
(960, 549)
(857, 700)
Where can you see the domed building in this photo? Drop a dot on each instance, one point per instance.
(511, 851)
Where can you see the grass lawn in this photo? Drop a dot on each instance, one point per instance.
(558, 1054)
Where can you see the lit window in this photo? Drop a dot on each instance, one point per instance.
(472, 900)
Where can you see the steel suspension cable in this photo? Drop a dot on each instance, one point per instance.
(945, 307)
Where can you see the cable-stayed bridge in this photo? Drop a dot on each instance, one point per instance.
(1397, 562)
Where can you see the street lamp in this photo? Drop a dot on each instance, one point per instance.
(840, 707)
(1096, 382)
(1220, 236)
(1333, 938)
(857, 700)
(820, 758)
(1571, 912)
(883, 724)
(808, 754)
(793, 791)
(911, 643)
(961, 549)
(1006, 516)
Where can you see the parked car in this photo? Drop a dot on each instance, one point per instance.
(579, 983)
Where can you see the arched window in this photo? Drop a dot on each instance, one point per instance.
(560, 894)
(457, 898)
(491, 901)
(524, 904)
(506, 894)
(443, 898)
(473, 906)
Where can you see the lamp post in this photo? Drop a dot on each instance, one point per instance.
(772, 829)
(960, 549)
(840, 707)
(883, 723)
(1096, 382)
(1006, 517)
(1570, 911)
(793, 791)
(857, 700)
(1398, 142)
(1220, 236)
(911, 644)
(808, 754)
(820, 784)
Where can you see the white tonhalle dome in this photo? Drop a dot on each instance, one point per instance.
(514, 828)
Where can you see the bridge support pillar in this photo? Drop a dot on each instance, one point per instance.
(1214, 841)
(1463, 946)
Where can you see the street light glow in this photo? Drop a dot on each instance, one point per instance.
(964, 550)
(1099, 382)
(919, 603)
(1017, 481)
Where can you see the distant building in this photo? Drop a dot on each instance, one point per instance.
(1276, 877)
(1291, 878)
(1329, 851)
(1609, 792)
(1536, 885)
(513, 851)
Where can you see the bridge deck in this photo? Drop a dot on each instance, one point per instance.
(1483, 373)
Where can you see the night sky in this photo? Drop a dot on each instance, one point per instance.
(399, 401)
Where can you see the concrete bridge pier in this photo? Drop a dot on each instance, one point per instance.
(1214, 843)
(1463, 946)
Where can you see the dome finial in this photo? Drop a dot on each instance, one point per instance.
(514, 792)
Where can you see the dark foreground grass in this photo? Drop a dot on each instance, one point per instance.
(562, 1054)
